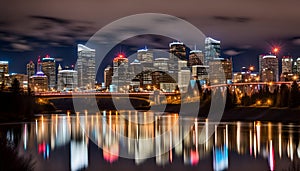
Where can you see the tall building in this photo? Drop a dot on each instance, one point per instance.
(161, 64)
(200, 72)
(298, 65)
(67, 79)
(196, 57)
(108, 73)
(177, 53)
(220, 71)
(212, 49)
(145, 56)
(49, 69)
(287, 64)
(184, 77)
(30, 69)
(3, 73)
(39, 82)
(268, 65)
(135, 68)
(120, 72)
(86, 67)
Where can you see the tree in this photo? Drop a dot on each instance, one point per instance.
(16, 86)
(294, 95)
(284, 95)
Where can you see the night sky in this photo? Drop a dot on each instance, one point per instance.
(246, 28)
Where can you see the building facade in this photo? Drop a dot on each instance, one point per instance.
(67, 80)
(145, 57)
(212, 49)
(86, 67)
(287, 64)
(39, 82)
(3, 73)
(269, 65)
(220, 71)
(49, 69)
(196, 57)
(108, 73)
(30, 68)
(120, 77)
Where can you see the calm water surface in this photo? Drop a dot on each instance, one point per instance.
(152, 141)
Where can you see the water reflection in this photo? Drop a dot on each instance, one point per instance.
(145, 134)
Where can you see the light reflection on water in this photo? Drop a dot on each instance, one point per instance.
(68, 142)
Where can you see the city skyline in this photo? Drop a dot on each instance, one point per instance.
(246, 29)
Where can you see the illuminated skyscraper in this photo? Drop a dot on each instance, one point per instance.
(196, 57)
(161, 64)
(120, 72)
(86, 67)
(177, 53)
(38, 82)
(67, 80)
(3, 73)
(49, 69)
(220, 71)
(30, 69)
(212, 49)
(108, 72)
(145, 56)
(287, 64)
(298, 65)
(269, 64)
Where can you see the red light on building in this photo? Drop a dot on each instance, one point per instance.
(276, 50)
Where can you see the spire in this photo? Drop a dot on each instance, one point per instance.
(59, 67)
(39, 65)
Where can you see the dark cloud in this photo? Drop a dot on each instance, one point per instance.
(232, 19)
(21, 47)
(296, 41)
(232, 52)
(51, 19)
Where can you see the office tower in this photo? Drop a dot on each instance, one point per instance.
(161, 64)
(38, 82)
(295, 66)
(287, 64)
(108, 73)
(196, 57)
(135, 69)
(177, 53)
(30, 69)
(49, 69)
(184, 77)
(3, 73)
(212, 49)
(298, 65)
(200, 72)
(120, 72)
(86, 67)
(269, 66)
(220, 71)
(145, 56)
(66, 79)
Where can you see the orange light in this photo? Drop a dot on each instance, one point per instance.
(251, 68)
(276, 50)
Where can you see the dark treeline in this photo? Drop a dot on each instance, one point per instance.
(16, 104)
(281, 96)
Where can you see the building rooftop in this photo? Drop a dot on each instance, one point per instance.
(81, 47)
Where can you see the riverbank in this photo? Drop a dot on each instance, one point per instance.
(272, 114)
